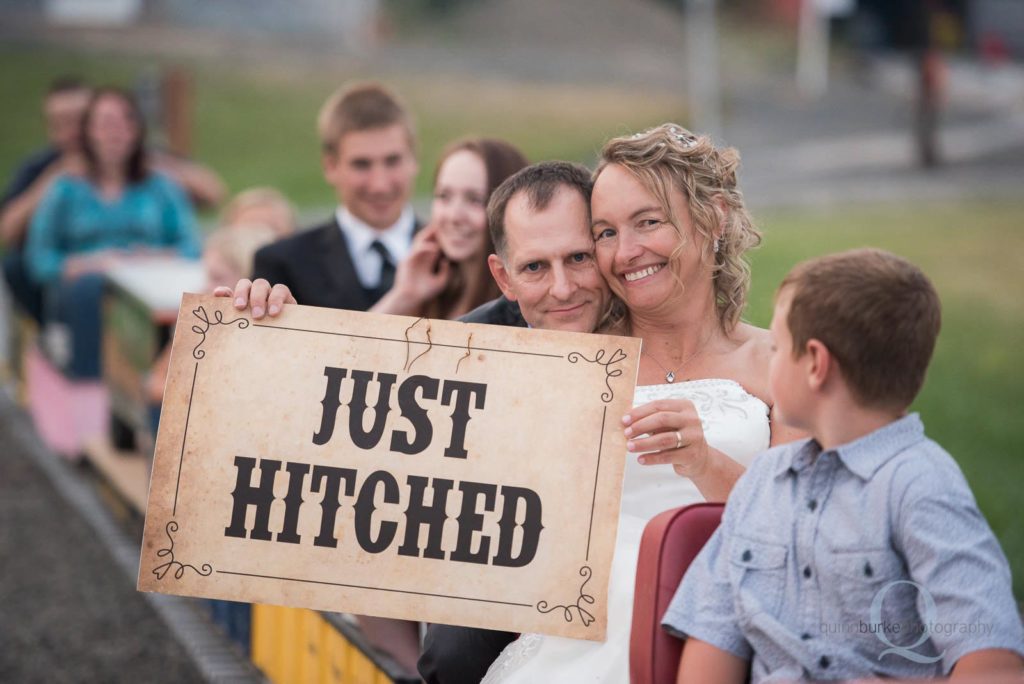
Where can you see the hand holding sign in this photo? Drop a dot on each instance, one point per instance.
(258, 296)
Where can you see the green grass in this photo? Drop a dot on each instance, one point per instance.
(972, 399)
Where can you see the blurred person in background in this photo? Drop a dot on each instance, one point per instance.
(228, 254)
(63, 106)
(202, 184)
(260, 206)
(85, 224)
(446, 273)
(65, 103)
(368, 157)
(909, 26)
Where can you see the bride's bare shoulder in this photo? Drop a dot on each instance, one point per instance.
(753, 342)
(751, 358)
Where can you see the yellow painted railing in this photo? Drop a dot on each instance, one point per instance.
(295, 645)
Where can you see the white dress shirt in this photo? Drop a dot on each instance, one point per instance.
(359, 236)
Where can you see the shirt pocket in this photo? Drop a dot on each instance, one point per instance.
(758, 571)
(864, 575)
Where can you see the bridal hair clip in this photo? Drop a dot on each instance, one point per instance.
(686, 138)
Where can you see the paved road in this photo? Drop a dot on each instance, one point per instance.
(854, 144)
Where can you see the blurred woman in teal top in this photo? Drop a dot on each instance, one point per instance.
(86, 224)
(118, 207)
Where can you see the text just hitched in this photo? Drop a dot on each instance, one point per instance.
(379, 520)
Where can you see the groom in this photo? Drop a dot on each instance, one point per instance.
(544, 264)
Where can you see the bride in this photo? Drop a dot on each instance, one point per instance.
(670, 232)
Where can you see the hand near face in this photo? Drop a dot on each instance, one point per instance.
(672, 431)
(423, 274)
(259, 296)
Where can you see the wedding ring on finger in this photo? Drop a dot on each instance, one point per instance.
(679, 440)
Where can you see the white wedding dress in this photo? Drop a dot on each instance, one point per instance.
(735, 423)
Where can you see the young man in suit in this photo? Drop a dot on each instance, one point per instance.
(368, 157)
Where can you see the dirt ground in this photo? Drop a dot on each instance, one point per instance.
(67, 612)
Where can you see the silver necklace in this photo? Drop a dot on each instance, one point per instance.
(670, 375)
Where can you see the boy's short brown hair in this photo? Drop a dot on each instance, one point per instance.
(539, 182)
(877, 314)
(360, 107)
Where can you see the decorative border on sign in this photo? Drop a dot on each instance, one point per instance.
(597, 472)
(184, 438)
(570, 612)
(616, 356)
(161, 570)
(585, 616)
(406, 341)
(361, 586)
(218, 319)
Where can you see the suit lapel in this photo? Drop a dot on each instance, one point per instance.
(338, 270)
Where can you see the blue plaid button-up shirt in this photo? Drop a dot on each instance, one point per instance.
(871, 559)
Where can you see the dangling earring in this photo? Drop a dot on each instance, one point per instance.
(715, 246)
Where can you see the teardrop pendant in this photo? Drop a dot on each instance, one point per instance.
(670, 377)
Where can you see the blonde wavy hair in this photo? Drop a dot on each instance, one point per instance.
(670, 158)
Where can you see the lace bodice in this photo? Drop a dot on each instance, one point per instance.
(735, 422)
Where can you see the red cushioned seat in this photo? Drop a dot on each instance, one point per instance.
(670, 542)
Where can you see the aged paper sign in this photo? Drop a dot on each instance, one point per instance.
(389, 466)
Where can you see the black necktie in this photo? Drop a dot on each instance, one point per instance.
(387, 268)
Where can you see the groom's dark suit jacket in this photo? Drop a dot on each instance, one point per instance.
(317, 267)
(498, 311)
(461, 655)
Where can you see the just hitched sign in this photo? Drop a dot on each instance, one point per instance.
(390, 466)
